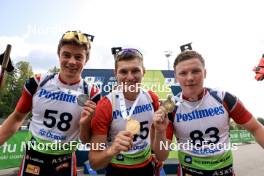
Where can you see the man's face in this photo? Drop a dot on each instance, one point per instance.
(190, 74)
(72, 60)
(129, 73)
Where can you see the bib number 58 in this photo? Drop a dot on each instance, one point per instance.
(50, 120)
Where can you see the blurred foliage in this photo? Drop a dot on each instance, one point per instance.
(12, 89)
(54, 70)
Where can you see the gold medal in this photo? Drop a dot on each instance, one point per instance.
(168, 104)
(133, 126)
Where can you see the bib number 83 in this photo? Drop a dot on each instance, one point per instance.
(197, 136)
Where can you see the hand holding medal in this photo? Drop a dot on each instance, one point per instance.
(133, 126)
(160, 120)
(168, 104)
(88, 108)
(81, 99)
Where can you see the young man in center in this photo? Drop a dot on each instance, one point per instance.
(125, 153)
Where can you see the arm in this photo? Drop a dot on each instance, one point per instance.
(88, 113)
(158, 143)
(158, 134)
(11, 125)
(101, 158)
(100, 125)
(257, 130)
(244, 118)
(85, 121)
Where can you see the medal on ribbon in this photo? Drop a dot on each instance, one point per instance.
(81, 99)
(132, 125)
(168, 104)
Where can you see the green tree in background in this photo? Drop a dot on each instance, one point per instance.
(11, 91)
(54, 70)
(7, 94)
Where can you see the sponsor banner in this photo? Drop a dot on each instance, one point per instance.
(241, 136)
(161, 82)
(12, 151)
(156, 82)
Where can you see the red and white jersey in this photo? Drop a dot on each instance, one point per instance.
(206, 122)
(55, 111)
(108, 118)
